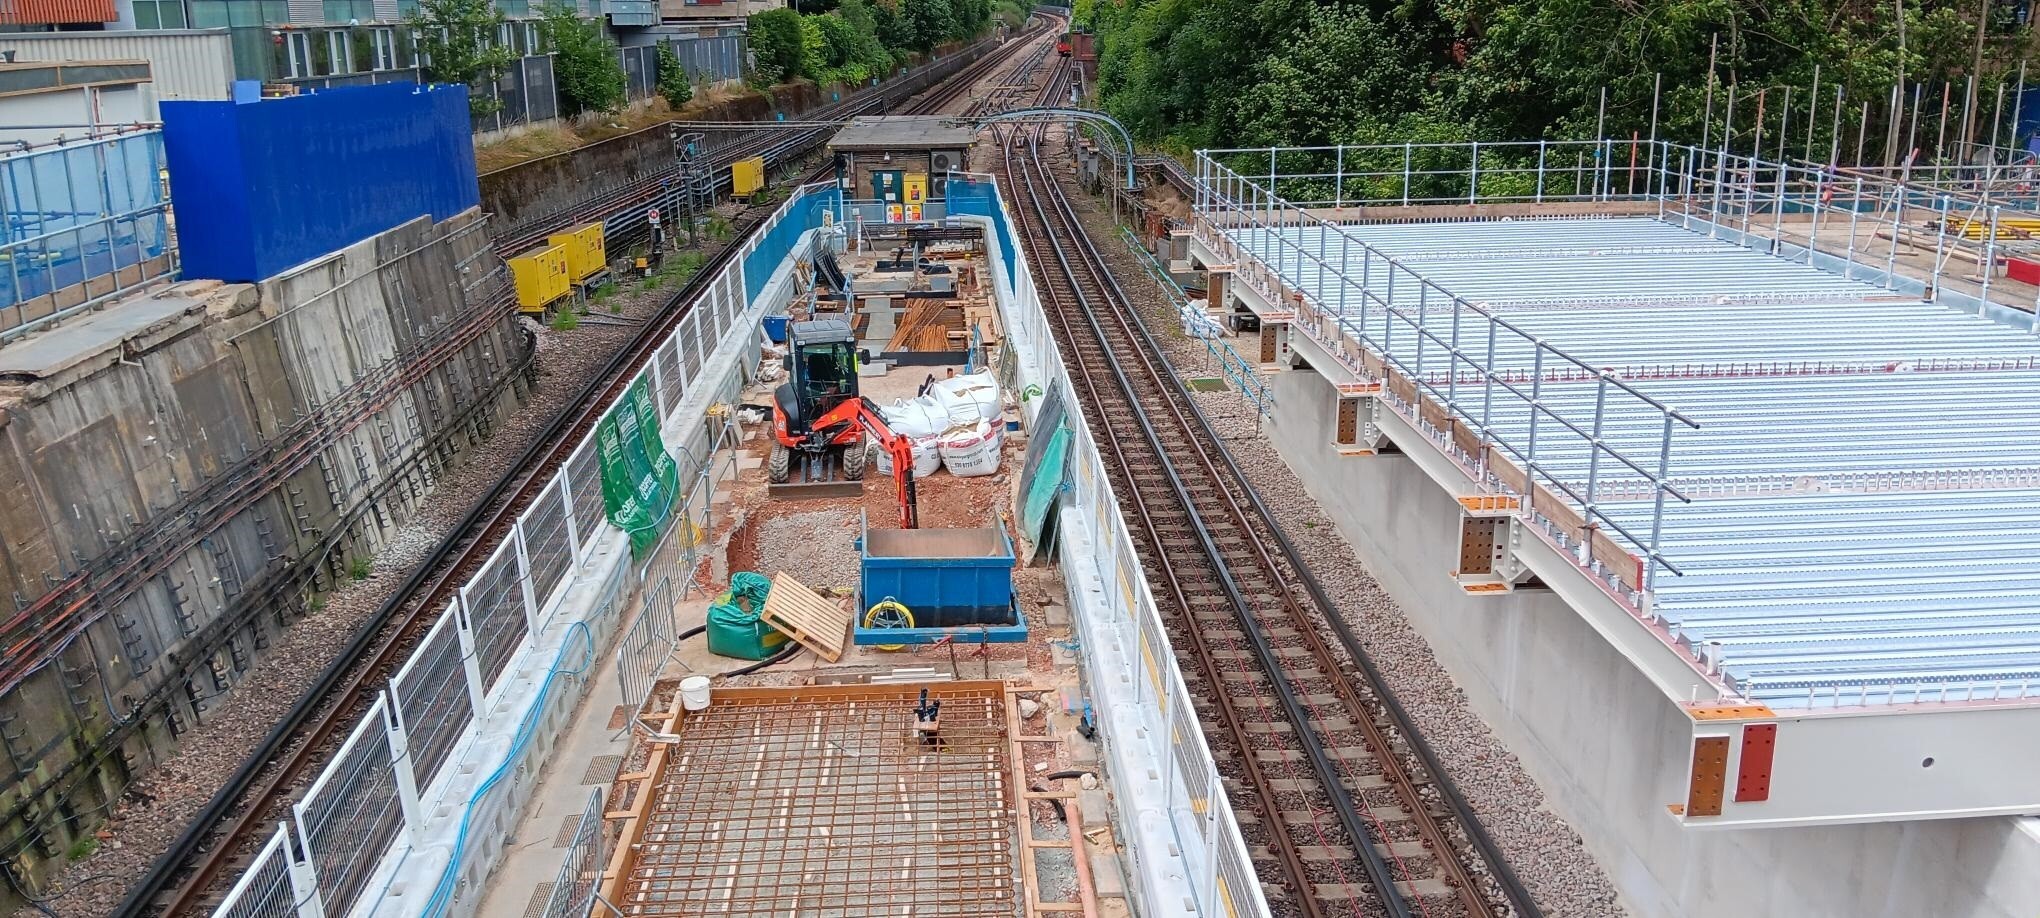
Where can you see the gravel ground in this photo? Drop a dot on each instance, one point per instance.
(1545, 852)
(158, 806)
(812, 545)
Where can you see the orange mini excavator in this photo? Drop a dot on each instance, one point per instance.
(819, 420)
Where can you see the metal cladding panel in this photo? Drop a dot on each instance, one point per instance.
(263, 186)
(183, 63)
(50, 12)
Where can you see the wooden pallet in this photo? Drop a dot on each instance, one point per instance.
(814, 622)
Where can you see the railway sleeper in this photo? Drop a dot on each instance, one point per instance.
(1413, 889)
(1342, 853)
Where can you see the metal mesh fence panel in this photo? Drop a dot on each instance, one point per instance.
(584, 473)
(265, 890)
(432, 698)
(672, 380)
(642, 651)
(1185, 745)
(547, 543)
(495, 613)
(352, 813)
(688, 342)
(574, 893)
(1239, 893)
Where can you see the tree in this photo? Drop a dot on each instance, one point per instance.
(585, 63)
(775, 37)
(457, 36)
(814, 48)
(673, 82)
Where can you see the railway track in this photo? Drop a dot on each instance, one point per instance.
(1342, 805)
(623, 209)
(194, 874)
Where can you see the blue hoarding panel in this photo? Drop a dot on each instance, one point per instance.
(803, 214)
(261, 186)
(979, 198)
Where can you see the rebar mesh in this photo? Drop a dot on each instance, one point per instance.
(822, 806)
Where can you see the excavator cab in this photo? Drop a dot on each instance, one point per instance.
(821, 370)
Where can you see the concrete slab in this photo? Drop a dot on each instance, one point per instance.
(45, 354)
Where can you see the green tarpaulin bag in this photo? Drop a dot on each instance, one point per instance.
(733, 626)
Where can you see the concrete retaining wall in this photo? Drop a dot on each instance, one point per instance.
(181, 474)
(562, 182)
(1595, 733)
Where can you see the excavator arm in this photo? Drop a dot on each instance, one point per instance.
(863, 413)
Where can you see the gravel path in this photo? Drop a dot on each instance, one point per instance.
(159, 805)
(1545, 852)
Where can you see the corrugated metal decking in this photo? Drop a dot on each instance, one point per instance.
(1865, 524)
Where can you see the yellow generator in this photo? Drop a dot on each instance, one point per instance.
(747, 176)
(586, 257)
(542, 276)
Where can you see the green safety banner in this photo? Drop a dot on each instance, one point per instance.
(639, 482)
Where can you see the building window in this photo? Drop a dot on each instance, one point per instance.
(385, 41)
(338, 54)
(159, 14)
(348, 12)
(298, 48)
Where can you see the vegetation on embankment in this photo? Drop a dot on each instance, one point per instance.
(1184, 74)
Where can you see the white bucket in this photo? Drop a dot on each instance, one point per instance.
(694, 693)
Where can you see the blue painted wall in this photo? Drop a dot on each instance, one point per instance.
(259, 187)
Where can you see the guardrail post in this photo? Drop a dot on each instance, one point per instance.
(1487, 404)
(1406, 173)
(1990, 255)
(1539, 196)
(304, 879)
(1452, 365)
(1940, 246)
(1778, 218)
(1855, 214)
(400, 766)
(1714, 205)
(1657, 508)
(574, 547)
(1813, 235)
(1339, 177)
(1586, 546)
(1345, 253)
(304, 875)
(1366, 270)
(469, 661)
(1423, 333)
(1897, 224)
(1536, 405)
(524, 577)
(1473, 175)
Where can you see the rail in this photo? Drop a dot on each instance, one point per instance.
(1239, 616)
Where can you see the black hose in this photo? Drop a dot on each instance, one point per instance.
(1071, 773)
(780, 657)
